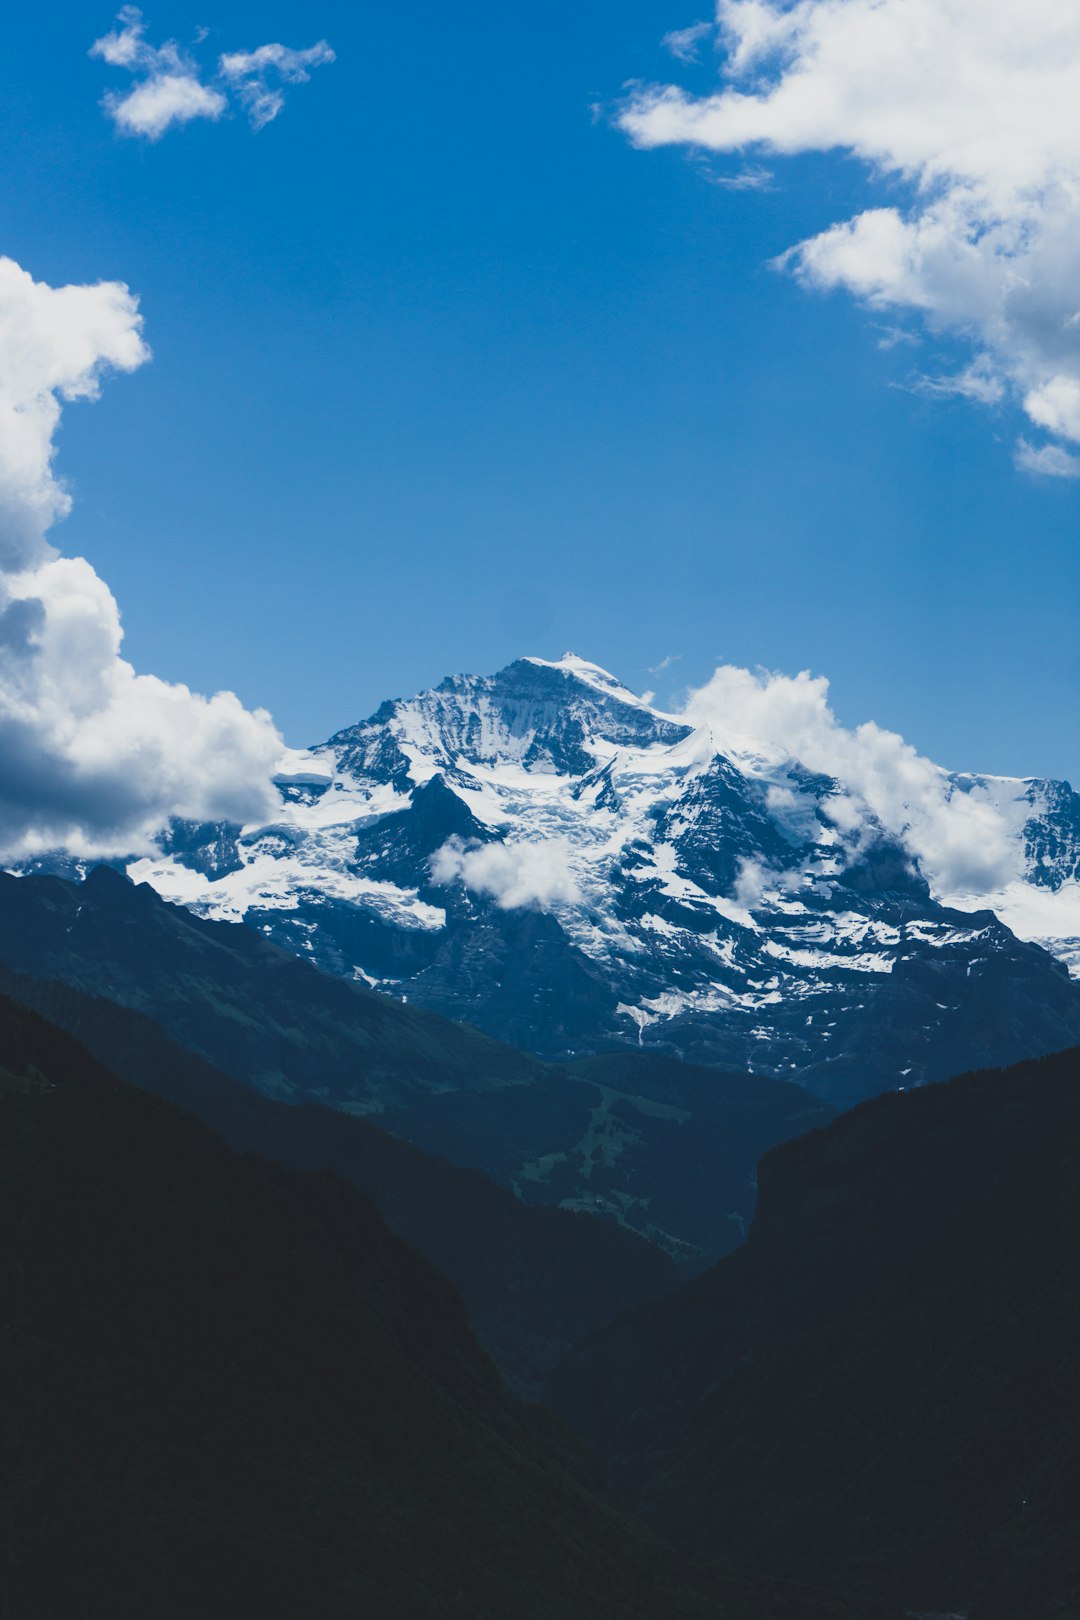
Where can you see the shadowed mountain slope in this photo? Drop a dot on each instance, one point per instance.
(534, 1280)
(230, 1390)
(671, 1158)
(258, 1012)
(882, 1387)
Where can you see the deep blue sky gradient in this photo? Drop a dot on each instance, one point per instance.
(446, 372)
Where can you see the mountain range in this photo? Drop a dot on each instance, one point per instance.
(537, 987)
(544, 855)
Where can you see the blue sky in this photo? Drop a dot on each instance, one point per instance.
(446, 370)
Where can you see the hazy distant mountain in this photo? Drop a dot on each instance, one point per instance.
(544, 855)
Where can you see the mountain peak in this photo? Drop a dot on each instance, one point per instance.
(593, 675)
(703, 891)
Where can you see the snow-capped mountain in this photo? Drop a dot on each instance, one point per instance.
(543, 854)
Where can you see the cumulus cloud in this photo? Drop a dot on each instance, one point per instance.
(259, 75)
(965, 110)
(94, 758)
(514, 875)
(961, 841)
(158, 103)
(172, 88)
(55, 342)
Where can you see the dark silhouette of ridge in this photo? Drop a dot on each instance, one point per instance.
(230, 1391)
(534, 1280)
(881, 1389)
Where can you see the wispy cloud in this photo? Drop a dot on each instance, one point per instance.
(893, 337)
(755, 177)
(971, 122)
(979, 382)
(685, 43)
(173, 88)
(1046, 460)
(259, 76)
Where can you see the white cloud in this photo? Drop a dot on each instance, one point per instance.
(166, 99)
(751, 882)
(258, 75)
(126, 46)
(968, 107)
(1046, 460)
(754, 178)
(93, 757)
(685, 43)
(962, 843)
(514, 875)
(172, 89)
(55, 342)
(978, 382)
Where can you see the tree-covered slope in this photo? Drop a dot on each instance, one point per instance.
(534, 1280)
(260, 1013)
(671, 1155)
(229, 1390)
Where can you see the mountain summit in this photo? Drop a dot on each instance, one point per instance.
(542, 853)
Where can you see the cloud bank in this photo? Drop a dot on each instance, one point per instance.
(514, 875)
(94, 758)
(171, 88)
(965, 107)
(962, 842)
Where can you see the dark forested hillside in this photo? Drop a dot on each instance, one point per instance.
(671, 1155)
(221, 990)
(229, 1390)
(534, 1280)
(882, 1388)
